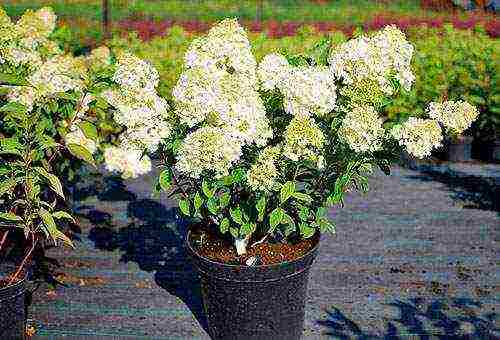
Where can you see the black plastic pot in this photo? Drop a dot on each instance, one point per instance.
(257, 302)
(13, 309)
(459, 150)
(495, 150)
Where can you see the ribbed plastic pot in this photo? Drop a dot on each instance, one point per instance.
(460, 150)
(13, 310)
(254, 302)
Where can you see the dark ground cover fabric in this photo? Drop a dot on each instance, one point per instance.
(417, 256)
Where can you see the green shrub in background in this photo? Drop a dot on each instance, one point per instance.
(459, 64)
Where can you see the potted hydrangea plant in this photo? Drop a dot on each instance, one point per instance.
(456, 116)
(53, 107)
(257, 153)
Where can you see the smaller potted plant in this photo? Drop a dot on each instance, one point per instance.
(53, 112)
(257, 153)
(456, 116)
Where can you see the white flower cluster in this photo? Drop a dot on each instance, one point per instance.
(218, 89)
(306, 89)
(208, 149)
(419, 136)
(263, 174)
(59, 74)
(362, 129)
(379, 58)
(26, 42)
(457, 116)
(309, 90)
(127, 161)
(303, 140)
(141, 111)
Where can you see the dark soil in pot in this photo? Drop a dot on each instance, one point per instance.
(255, 302)
(12, 304)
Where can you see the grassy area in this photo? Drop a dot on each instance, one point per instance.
(340, 11)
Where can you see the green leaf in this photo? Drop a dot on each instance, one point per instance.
(10, 146)
(238, 175)
(8, 185)
(225, 199)
(198, 201)
(12, 79)
(89, 130)
(234, 232)
(184, 207)
(326, 225)
(304, 214)
(50, 224)
(63, 215)
(287, 219)
(236, 215)
(14, 108)
(224, 225)
(54, 182)
(275, 217)
(212, 205)
(287, 191)
(81, 153)
(306, 231)
(302, 197)
(165, 179)
(10, 217)
(248, 228)
(261, 208)
(207, 190)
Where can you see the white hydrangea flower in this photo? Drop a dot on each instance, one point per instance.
(378, 58)
(127, 160)
(78, 137)
(272, 70)
(309, 90)
(25, 95)
(303, 139)
(209, 149)
(263, 174)
(362, 129)
(419, 136)
(99, 58)
(134, 73)
(58, 74)
(454, 115)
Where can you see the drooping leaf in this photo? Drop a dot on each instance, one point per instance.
(276, 217)
(89, 130)
(225, 199)
(234, 232)
(248, 228)
(236, 215)
(224, 225)
(261, 208)
(207, 189)
(198, 201)
(212, 205)
(184, 206)
(304, 214)
(165, 179)
(81, 153)
(7, 186)
(10, 217)
(302, 197)
(52, 229)
(63, 215)
(306, 231)
(287, 191)
(53, 181)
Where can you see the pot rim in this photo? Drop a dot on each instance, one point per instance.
(263, 266)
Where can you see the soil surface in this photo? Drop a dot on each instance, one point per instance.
(223, 251)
